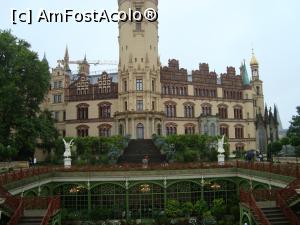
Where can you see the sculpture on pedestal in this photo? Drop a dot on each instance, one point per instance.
(221, 151)
(67, 153)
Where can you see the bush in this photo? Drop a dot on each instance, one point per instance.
(190, 156)
(200, 208)
(187, 208)
(173, 209)
(218, 208)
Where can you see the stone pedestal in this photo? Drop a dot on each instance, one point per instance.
(221, 159)
(67, 162)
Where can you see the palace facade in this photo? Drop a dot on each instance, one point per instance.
(149, 98)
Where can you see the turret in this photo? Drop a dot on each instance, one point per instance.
(66, 60)
(254, 67)
(84, 67)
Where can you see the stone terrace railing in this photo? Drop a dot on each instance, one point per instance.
(285, 169)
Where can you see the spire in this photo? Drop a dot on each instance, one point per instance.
(244, 74)
(253, 61)
(45, 58)
(84, 60)
(66, 59)
(266, 112)
(66, 53)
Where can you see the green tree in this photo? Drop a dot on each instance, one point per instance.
(47, 133)
(24, 81)
(187, 208)
(200, 207)
(275, 147)
(173, 209)
(294, 132)
(218, 208)
(285, 141)
(294, 129)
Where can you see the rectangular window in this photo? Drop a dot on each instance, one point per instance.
(57, 98)
(153, 85)
(55, 85)
(139, 105)
(56, 116)
(125, 86)
(139, 84)
(64, 115)
(153, 105)
(125, 106)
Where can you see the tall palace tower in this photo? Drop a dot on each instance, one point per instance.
(140, 113)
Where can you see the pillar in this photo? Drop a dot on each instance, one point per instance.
(147, 128)
(153, 126)
(126, 126)
(132, 129)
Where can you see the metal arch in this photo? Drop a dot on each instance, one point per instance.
(145, 182)
(244, 180)
(68, 183)
(43, 187)
(264, 186)
(107, 182)
(25, 194)
(245, 214)
(182, 181)
(225, 179)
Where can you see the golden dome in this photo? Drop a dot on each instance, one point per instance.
(253, 61)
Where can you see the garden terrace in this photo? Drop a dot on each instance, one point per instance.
(140, 192)
(280, 174)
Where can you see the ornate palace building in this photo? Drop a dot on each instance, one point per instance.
(146, 98)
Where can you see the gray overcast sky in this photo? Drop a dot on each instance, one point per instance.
(219, 32)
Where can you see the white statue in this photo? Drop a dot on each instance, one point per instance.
(221, 145)
(68, 146)
(221, 151)
(67, 153)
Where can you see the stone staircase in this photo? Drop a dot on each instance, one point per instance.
(138, 149)
(275, 216)
(32, 217)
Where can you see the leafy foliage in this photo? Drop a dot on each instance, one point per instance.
(24, 81)
(218, 208)
(200, 207)
(92, 150)
(187, 208)
(173, 209)
(188, 148)
(275, 147)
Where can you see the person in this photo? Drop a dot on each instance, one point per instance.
(34, 161)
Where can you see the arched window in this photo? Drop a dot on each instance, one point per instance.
(189, 111)
(82, 111)
(223, 112)
(238, 112)
(171, 128)
(239, 132)
(105, 130)
(159, 129)
(212, 129)
(121, 129)
(224, 130)
(170, 109)
(105, 110)
(82, 131)
(189, 128)
(206, 109)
